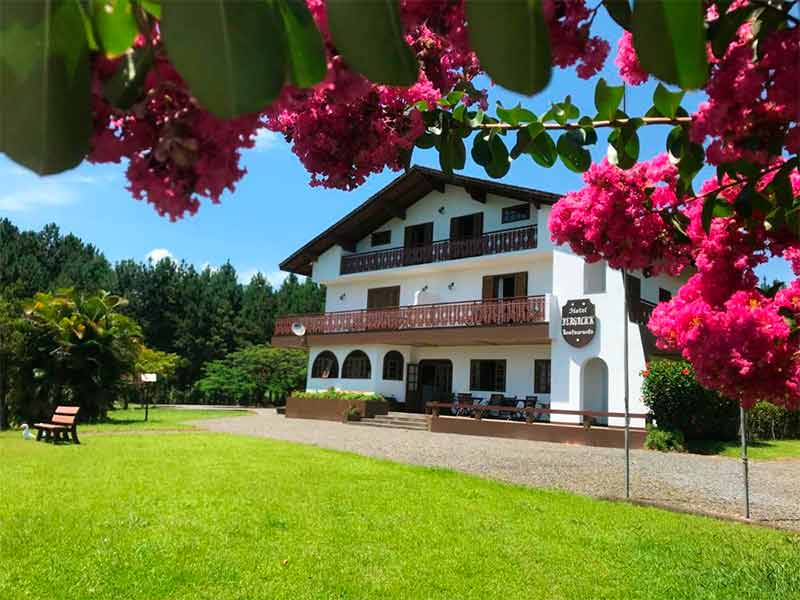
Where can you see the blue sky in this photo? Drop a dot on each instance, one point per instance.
(274, 210)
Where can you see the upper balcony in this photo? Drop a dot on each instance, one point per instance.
(495, 242)
(522, 320)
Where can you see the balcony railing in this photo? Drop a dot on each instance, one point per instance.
(496, 242)
(473, 313)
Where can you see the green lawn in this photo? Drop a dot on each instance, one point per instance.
(200, 515)
(160, 417)
(769, 450)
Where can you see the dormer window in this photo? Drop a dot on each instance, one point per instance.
(381, 238)
(520, 212)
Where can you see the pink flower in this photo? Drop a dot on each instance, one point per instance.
(628, 63)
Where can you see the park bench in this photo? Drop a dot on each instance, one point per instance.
(61, 425)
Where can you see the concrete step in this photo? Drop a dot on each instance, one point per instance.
(393, 419)
(390, 424)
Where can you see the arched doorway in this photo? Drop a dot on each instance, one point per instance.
(594, 388)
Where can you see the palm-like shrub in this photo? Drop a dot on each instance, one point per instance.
(85, 349)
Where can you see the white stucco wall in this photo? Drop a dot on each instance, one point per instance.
(554, 271)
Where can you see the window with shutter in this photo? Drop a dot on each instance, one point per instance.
(541, 377)
(487, 375)
(385, 297)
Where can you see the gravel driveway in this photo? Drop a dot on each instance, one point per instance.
(684, 481)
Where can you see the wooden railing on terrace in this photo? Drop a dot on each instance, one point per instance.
(495, 242)
(471, 313)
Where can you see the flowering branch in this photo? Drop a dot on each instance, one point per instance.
(594, 124)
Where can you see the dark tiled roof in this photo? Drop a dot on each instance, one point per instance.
(392, 201)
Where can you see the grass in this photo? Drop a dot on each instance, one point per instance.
(766, 450)
(213, 516)
(160, 417)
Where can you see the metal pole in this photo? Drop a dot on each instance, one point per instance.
(627, 385)
(745, 467)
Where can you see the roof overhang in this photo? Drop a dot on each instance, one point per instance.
(393, 200)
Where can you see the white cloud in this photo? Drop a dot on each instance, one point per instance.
(24, 190)
(156, 255)
(276, 278)
(44, 194)
(266, 140)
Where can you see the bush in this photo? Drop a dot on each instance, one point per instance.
(679, 403)
(334, 394)
(664, 440)
(765, 421)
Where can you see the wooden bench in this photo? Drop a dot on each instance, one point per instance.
(60, 426)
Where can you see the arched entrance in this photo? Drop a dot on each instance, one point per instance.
(594, 387)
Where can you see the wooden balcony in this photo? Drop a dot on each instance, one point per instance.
(511, 321)
(495, 242)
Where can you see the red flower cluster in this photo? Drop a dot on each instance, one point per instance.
(342, 130)
(739, 341)
(620, 216)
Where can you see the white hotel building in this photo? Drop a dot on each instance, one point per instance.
(439, 285)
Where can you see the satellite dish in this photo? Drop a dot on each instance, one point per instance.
(298, 329)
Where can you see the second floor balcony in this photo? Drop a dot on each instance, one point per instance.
(505, 321)
(494, 242)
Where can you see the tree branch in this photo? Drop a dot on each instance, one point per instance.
(596, 124)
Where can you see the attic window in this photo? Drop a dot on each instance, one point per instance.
(520, 212)
(381, 238)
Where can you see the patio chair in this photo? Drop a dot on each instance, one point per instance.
(544, 417)
(482, 402)
(495, 400)
(463, 401)
(509, 402)
(530, 402)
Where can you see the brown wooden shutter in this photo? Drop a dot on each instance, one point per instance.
(428, 234)
(474, 368)
(478, 224)
(408, 237)
(521, 284)
(455, 228)
(488, 287)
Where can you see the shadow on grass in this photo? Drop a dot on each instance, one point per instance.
(718, 447)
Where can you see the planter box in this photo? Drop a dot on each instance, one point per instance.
(329, 409)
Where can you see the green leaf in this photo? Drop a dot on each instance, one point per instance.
(512, 42)
(714, 207)
(305, 47)
(620, 11)
(573, 155)
(458, 113)
(115, 25)
(369, 35)
(670, 40)
(666, 102)
(474, 118)
(426, 141)
(230, 53)
(481, 153)
(515, 116)
(499, 165)
(152, 7)
(541, 147)
(607, 99)
(452, 153)
(722, 31)
(45, 99)
(126, 86)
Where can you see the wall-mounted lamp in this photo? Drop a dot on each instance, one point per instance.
(424, 289)
(441, 210)
(451, 285)
(342, 297)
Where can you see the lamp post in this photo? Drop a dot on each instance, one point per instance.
(745, 465)
(625, 369)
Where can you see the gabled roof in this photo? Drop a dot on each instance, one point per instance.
(392, 201)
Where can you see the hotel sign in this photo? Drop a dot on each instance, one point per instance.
(578, 322)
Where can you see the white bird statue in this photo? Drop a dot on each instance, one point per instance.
(26, 432)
